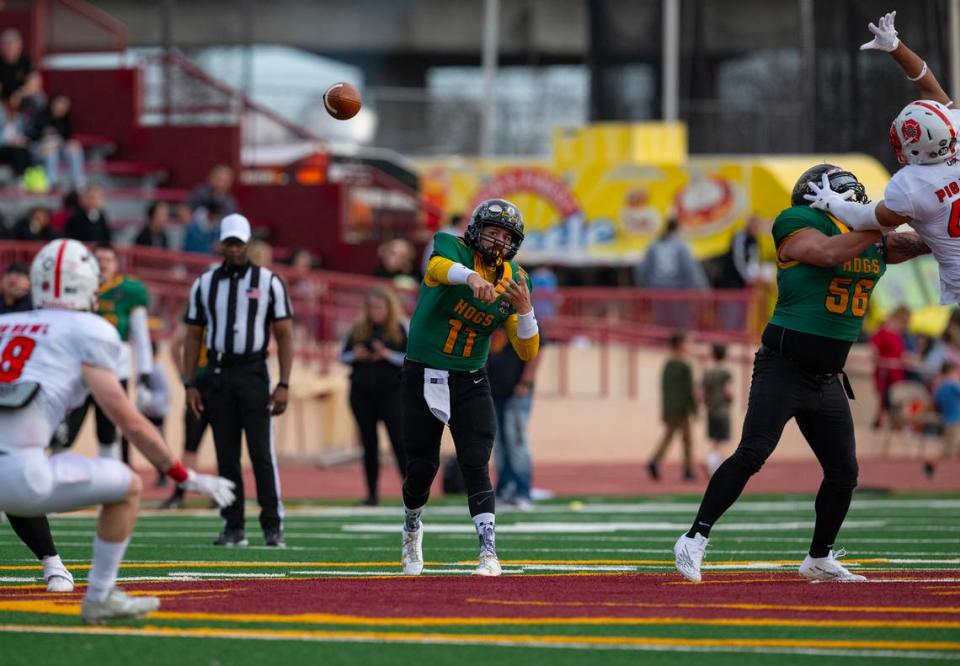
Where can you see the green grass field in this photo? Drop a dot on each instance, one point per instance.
(589, 581)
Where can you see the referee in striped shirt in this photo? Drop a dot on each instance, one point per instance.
(238, 303)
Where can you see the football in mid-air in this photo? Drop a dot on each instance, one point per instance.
(342, 100)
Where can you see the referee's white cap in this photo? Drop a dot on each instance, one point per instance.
(235, 226)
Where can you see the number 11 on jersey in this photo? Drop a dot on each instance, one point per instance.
(456, 327)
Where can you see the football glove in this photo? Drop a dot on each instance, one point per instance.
(884, 37)
(219, 489)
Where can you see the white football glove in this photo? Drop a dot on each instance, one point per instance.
(823, 196)
(858, 216)
(885, 37)
(219, 489)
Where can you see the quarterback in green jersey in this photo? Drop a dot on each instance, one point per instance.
(826, 274)
(472, 286)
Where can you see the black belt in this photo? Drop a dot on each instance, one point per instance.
(221, 360)
(821, 377)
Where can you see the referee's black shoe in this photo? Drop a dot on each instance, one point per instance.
(229, 537)
(274, 538)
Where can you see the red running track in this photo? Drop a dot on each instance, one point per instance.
(627, 478)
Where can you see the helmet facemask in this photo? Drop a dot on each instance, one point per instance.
(495, 213)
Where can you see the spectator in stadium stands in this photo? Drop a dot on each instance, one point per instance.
(545, 284)
(717, 398)
(33, 100)
(741, 265)
(14, 150)
(397, 258)
(203, 232)
(52, 133)
(69, 204)
(15, 67)
(154, 232)
(15, 289)
(260, 252)
(946, 349)
(946, 398)
(35, 226)
(669, 263)
(511, 385)
(88, 223)
(455, 227)
(375, 351)
(215, 190)
(889, 358)
(678, 405)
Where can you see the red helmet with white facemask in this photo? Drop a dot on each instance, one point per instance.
(924, 133)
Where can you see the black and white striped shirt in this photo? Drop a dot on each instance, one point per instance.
(237, 307)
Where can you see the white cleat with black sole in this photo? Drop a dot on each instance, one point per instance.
(827, 569)
(412, 556)
(688, 554)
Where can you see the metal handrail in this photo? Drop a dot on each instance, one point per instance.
(95, 15)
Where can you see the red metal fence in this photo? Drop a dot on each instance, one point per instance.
(326, 305)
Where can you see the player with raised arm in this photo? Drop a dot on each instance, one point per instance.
(472, 287)
(925, 193)
(50, 359)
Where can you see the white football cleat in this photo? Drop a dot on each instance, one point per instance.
(489, 565)
(688, 555)
(828, 569)
(118, 605)
(57, 577)
(59, 584)
(412, 556)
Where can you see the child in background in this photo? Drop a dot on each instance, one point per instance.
(679, 404)
(946, 398)
(717, 397)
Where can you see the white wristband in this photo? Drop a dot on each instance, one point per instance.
(527, 325)
(459, 273)
(856, 216)
(923, 73)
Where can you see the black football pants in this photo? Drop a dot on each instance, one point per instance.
(473, 425)
(782, 390)
(236, 400)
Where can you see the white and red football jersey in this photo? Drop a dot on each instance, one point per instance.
(49, 347)
(929, 194)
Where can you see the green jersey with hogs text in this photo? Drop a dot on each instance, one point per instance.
(450, 329)
(829, 302)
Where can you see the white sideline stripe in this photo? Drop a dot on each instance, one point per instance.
(763, 506)
(21, 579)
(570, 528)
(166, 633)
(953, 561)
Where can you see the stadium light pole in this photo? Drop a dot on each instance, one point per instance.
(670, 79)
(491, 36)
(955, 49)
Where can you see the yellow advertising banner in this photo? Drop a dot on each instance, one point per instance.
(609, 190)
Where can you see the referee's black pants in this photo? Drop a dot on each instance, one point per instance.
(473, 425)
(236, 398)
(782, 390)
